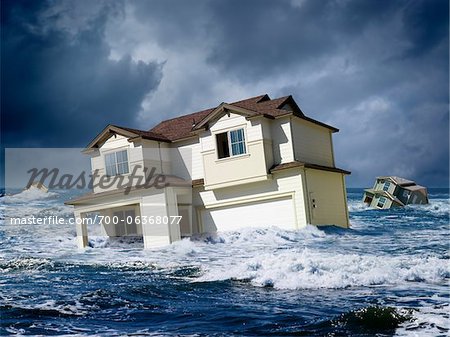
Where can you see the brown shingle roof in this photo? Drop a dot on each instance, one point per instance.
(127, 132)
(181, 127)
(398, 180)
(145, 134)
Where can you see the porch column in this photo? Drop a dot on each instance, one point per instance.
(153, 207)
(82, 233)
(172, 210)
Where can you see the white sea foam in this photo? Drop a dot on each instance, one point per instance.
(309, 258)
(312, 269)
(75, 309)
(31, 194)
(357, 206)
(436, 206)
(427, 321)
(29, 263)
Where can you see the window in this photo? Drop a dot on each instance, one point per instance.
(405, 194)
(124, 222)
(237, 142)
(222, 145)
(381, 202)
(231, 143)
(386, 186)
(116, 163)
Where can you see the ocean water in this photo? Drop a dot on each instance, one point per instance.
(387, 275)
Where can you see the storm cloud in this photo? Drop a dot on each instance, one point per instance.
(59, 86)
(377, 70)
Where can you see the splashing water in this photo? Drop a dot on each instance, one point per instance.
(387, 275)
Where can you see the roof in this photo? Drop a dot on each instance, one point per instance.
(186, 126)
(183, 127)
(414, 188)
(145, 134)
(398, 180)
(124, 131)
(295, 163)
(417, 188)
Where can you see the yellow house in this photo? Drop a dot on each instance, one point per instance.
(392, 191)
(252, 163)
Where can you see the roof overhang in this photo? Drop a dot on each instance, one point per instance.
(104, 135)
(113, 130)
(222, 109)
(398, 181)
(296, 164)
(311, 120)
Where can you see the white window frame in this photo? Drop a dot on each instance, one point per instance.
(230, 144)
(386, 186)
(114, 152)
(382, 202)
(230, 149)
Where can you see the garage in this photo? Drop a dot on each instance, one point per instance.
(274, 212)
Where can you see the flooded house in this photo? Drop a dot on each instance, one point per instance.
(252, 163)
(391, 191)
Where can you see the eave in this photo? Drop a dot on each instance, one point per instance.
(298, 164)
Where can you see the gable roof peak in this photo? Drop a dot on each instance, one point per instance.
(185, 126)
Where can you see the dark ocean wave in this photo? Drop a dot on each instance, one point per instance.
(387, 275)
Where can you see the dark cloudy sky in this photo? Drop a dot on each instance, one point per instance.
(377, 70)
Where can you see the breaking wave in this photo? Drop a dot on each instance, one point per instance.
(31, 194)
(387, 275)
(309, 269)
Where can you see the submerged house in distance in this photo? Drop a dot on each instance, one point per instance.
(393, 191)
(252, 163)
(37, 185)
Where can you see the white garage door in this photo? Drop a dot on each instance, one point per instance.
(275, 212)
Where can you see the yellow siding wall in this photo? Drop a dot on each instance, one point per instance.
(379, 186)
(146, 154)
(312, 143)
(234, 170)
(374, 203)
(282, 140)
(189, 159)
(114, 144)
(288, 182)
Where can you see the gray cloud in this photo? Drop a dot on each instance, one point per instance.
(60, 86)
(378, 70)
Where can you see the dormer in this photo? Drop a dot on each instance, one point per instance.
(235, 147)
